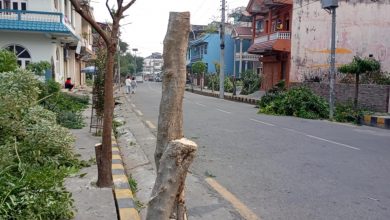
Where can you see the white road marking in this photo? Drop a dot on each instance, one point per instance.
(150, 124)
(132, 105)
(197, 103)
(262, 122)
(223, 111)
(333, 142)
(294, 131)
(138, 112)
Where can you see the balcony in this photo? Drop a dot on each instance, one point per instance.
(283, 35)
(277, 41)
(36, 21)
(247, 57)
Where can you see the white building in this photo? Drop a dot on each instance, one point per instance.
(47, 30)
(153, 64)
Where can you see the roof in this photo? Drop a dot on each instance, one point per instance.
(242, 31)
(39, 26)
(154, 56)
(276, 45)
(258, 48)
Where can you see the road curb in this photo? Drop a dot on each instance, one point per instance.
(377, 121)
(124, 199)
(229, 97)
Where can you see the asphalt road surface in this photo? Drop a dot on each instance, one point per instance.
(284, 167)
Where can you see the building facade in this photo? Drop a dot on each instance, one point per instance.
(47, 30)
(243, 61)
(206, 48)
(293, 36)
(271, 34)
(153, 65)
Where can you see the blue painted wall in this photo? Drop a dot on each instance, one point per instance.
(246, 43)
(213, 52)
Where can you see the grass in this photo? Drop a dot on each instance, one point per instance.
(133, 184)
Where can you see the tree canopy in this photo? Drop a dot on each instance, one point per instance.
(199, 67)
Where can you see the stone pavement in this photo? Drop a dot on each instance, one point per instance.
(91, 203)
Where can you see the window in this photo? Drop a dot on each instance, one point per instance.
(22, 54)
(259, 26)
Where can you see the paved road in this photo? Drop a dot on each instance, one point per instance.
(285, 167)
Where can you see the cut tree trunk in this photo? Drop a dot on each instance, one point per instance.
(172, 156)
(170, 120)
(169, 186)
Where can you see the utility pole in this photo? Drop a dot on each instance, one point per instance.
(135, 60)
(330, 6)
(222, 62)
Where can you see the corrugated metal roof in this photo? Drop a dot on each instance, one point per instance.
(39, 26)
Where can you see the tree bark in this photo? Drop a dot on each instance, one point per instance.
(170, 120)
(105, 176)
(171, 175)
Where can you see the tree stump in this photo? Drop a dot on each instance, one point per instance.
(170, 181)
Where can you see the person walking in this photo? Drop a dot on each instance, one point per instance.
(133, 85)
(128, 85)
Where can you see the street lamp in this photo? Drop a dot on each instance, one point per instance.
(135, 60)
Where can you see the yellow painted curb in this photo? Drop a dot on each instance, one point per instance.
(123, 193)
(116, 157)
(119, 178)
(380, 121)
(117, 166)
(367, 118)
(128, 213)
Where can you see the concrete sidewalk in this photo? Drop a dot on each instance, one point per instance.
(137, 144)
(91, 203)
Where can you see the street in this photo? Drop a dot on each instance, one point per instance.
(283, 167)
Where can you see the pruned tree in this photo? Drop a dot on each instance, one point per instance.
(111, 41)
(359, 66)
(174, 154)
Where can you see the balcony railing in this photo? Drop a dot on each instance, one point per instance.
(247, 57)
(196, 57)
(20, 15)
(283, 35)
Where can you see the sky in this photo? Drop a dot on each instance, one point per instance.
(146, 24)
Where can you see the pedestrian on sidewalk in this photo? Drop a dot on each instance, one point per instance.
(128, 85)
(68, 84)
(133, 85)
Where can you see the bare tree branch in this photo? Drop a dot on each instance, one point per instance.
(109, 10)
(128, 5)
(87, 16)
